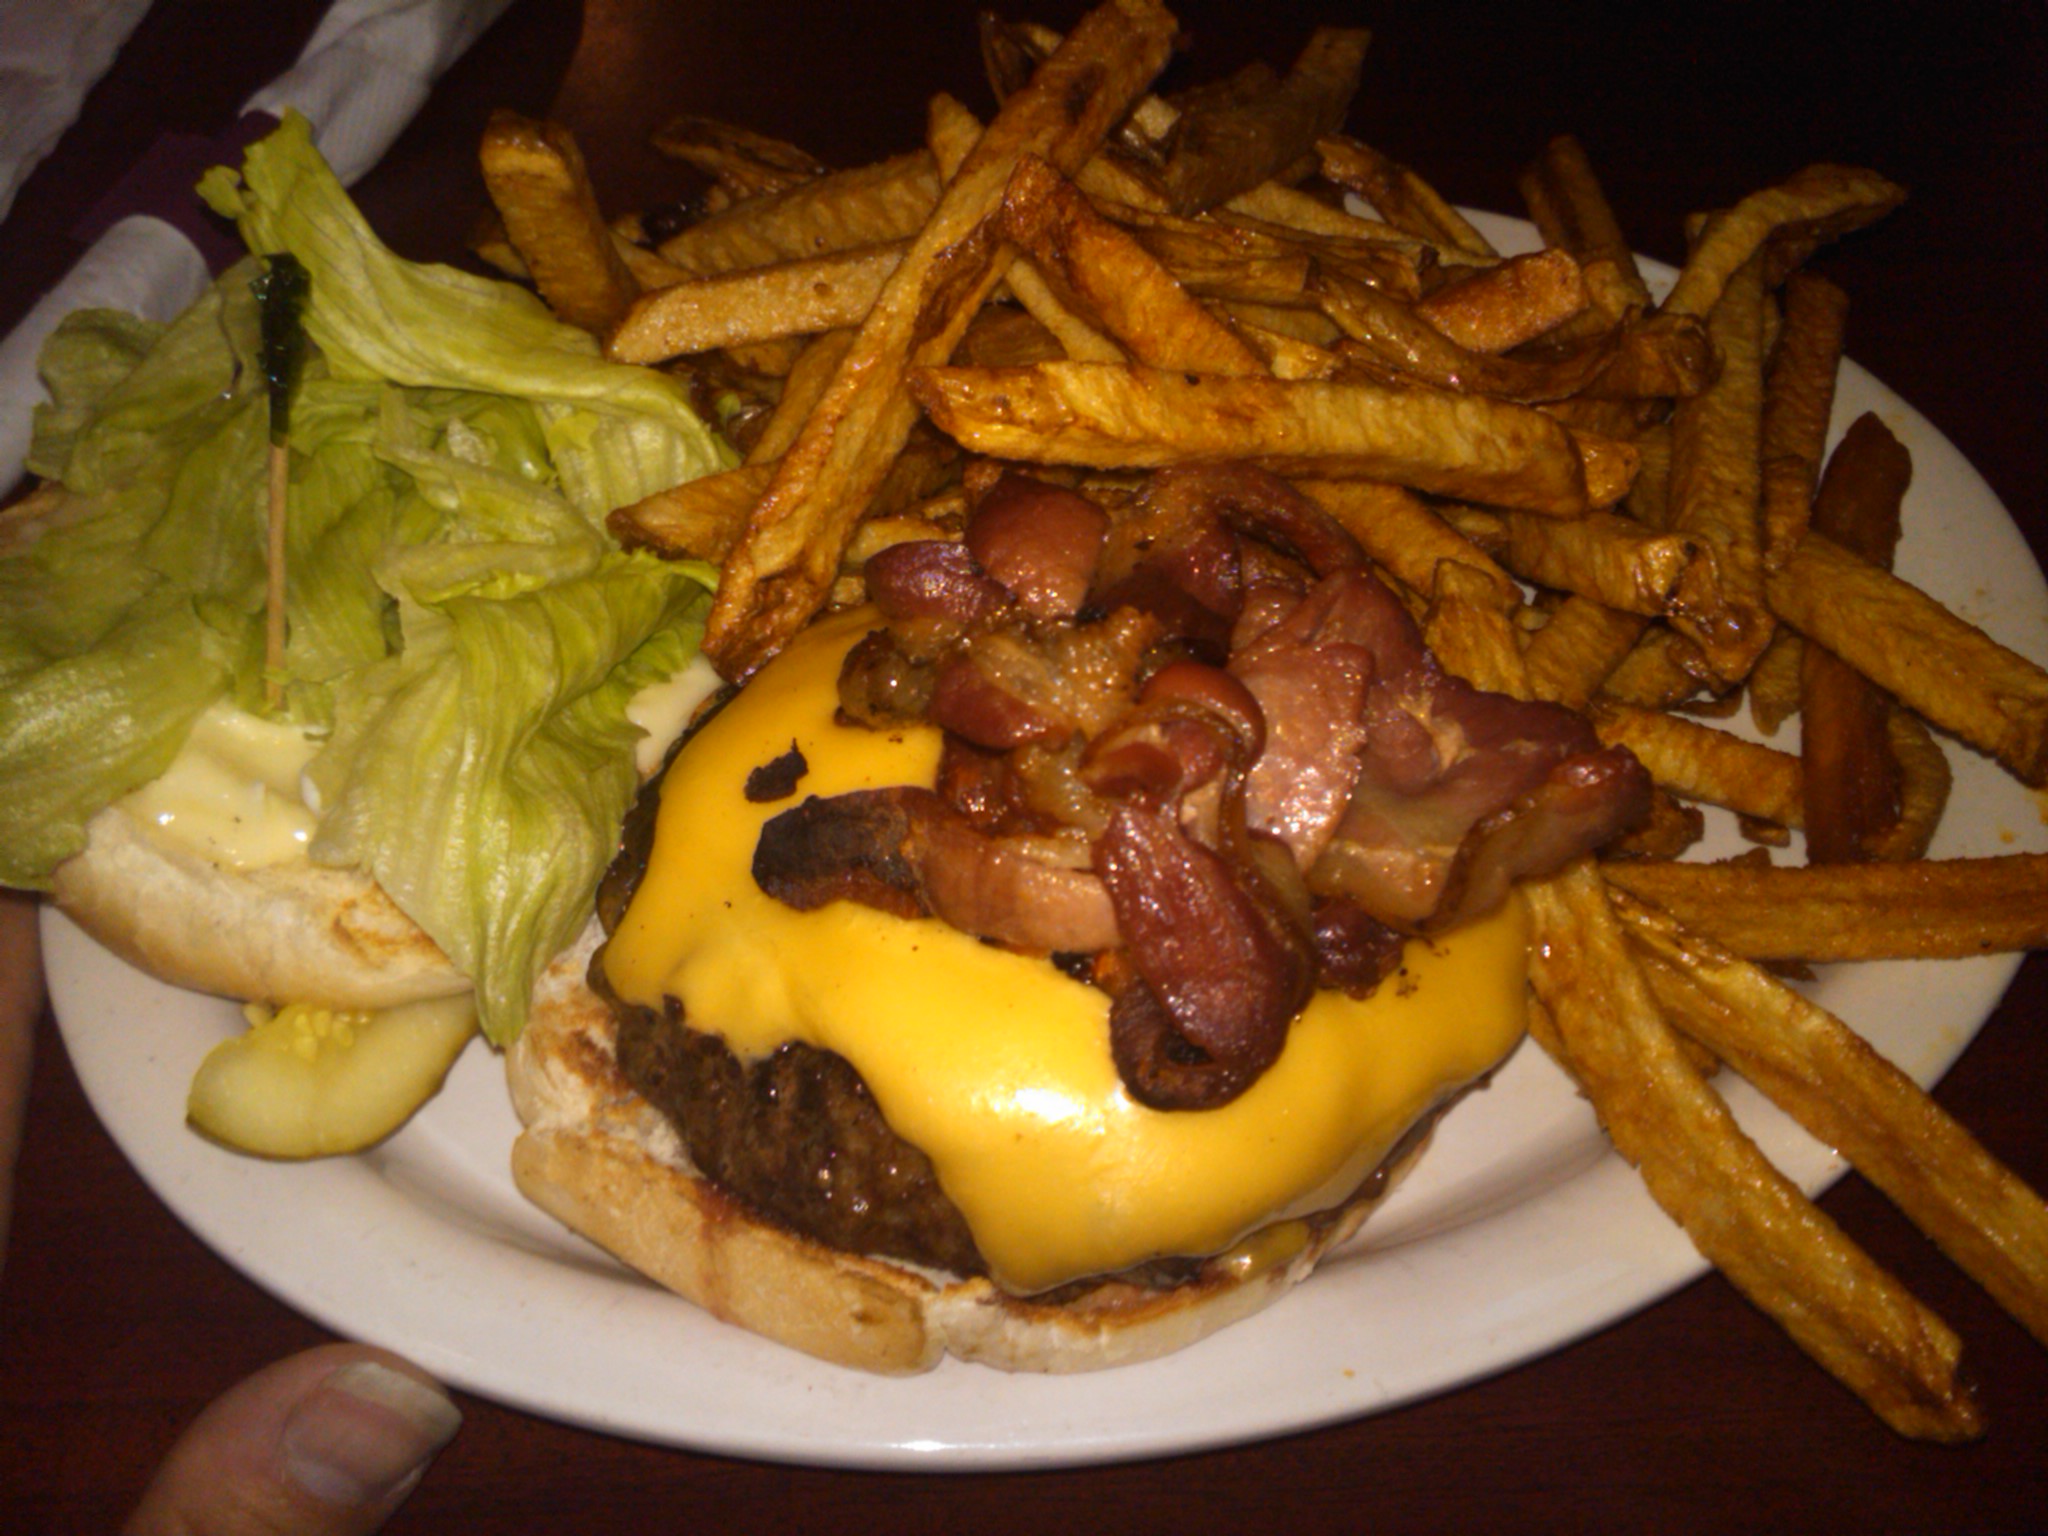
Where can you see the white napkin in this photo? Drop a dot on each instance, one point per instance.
(51, 53)
(362, 77)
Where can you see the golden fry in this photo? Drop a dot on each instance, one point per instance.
(1700, 762)
(802, 388)
(1799, 394)
(1613, 560)
(868, 205)
(1402, 198)
(1578, 648)
(1716, 485)
(1943, 909)
(1502, 306)
(700, 519)
(1402, 535)
(1571, 212)
(1784, 223)
(1924, 783)
(536, 177)
(790, 298)
(1110, 418)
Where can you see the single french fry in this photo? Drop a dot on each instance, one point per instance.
(1578, 648)
(782, 569)
(747, 164)
(1784, 223)
(1468, 629)
(1701, 762)
(1226, 256)
(867, 205)
(1100, 269)
(789, 298)
(1291, 208)
(1401, 197)
(1854, 779)
(535, 175)
(1662, 669)
(1937, 664)
(1673, 827)
(700, 519)
(1571, 211)
(1772, 686)
(1220, 152)
(1772, 1243)
(1716, 485)
(1941, 909)
(1799, 394)
(1924, 783)
(802, 387)
(1823, 1074)
(1613, 560)
(1502, 306)
(1402, 535)
(1123, 418)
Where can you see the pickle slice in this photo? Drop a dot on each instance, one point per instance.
(307, 1081)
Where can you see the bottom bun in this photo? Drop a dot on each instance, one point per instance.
(605, 1163)
(285, 932)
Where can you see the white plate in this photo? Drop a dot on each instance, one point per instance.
(1519, 1232)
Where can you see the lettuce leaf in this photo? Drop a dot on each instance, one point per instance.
(462, 633)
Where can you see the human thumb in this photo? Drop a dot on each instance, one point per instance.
(326, 1443)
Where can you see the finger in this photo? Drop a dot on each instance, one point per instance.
(326, 1443)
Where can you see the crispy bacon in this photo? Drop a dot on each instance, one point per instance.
(904, 850)
(1039, 541)
(1209, 939)
(1201, 742)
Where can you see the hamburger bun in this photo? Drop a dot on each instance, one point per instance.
(605, 1163)
(280, 932)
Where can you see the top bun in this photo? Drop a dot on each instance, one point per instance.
(285, 932)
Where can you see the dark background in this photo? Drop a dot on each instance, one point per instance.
(116, 1325)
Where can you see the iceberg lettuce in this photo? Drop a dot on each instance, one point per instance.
(464, 638)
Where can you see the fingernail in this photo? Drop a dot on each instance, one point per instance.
(366, 1433)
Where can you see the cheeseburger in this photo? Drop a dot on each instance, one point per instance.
(1049, 963)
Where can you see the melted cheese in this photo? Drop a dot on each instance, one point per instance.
(996, 1064)
(232, 794)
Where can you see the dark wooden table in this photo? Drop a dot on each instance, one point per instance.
(116, 1325)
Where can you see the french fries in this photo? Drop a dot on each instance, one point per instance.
(1822, 1074)
(1775, 1246)
(1586, 496)
(779, 574)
